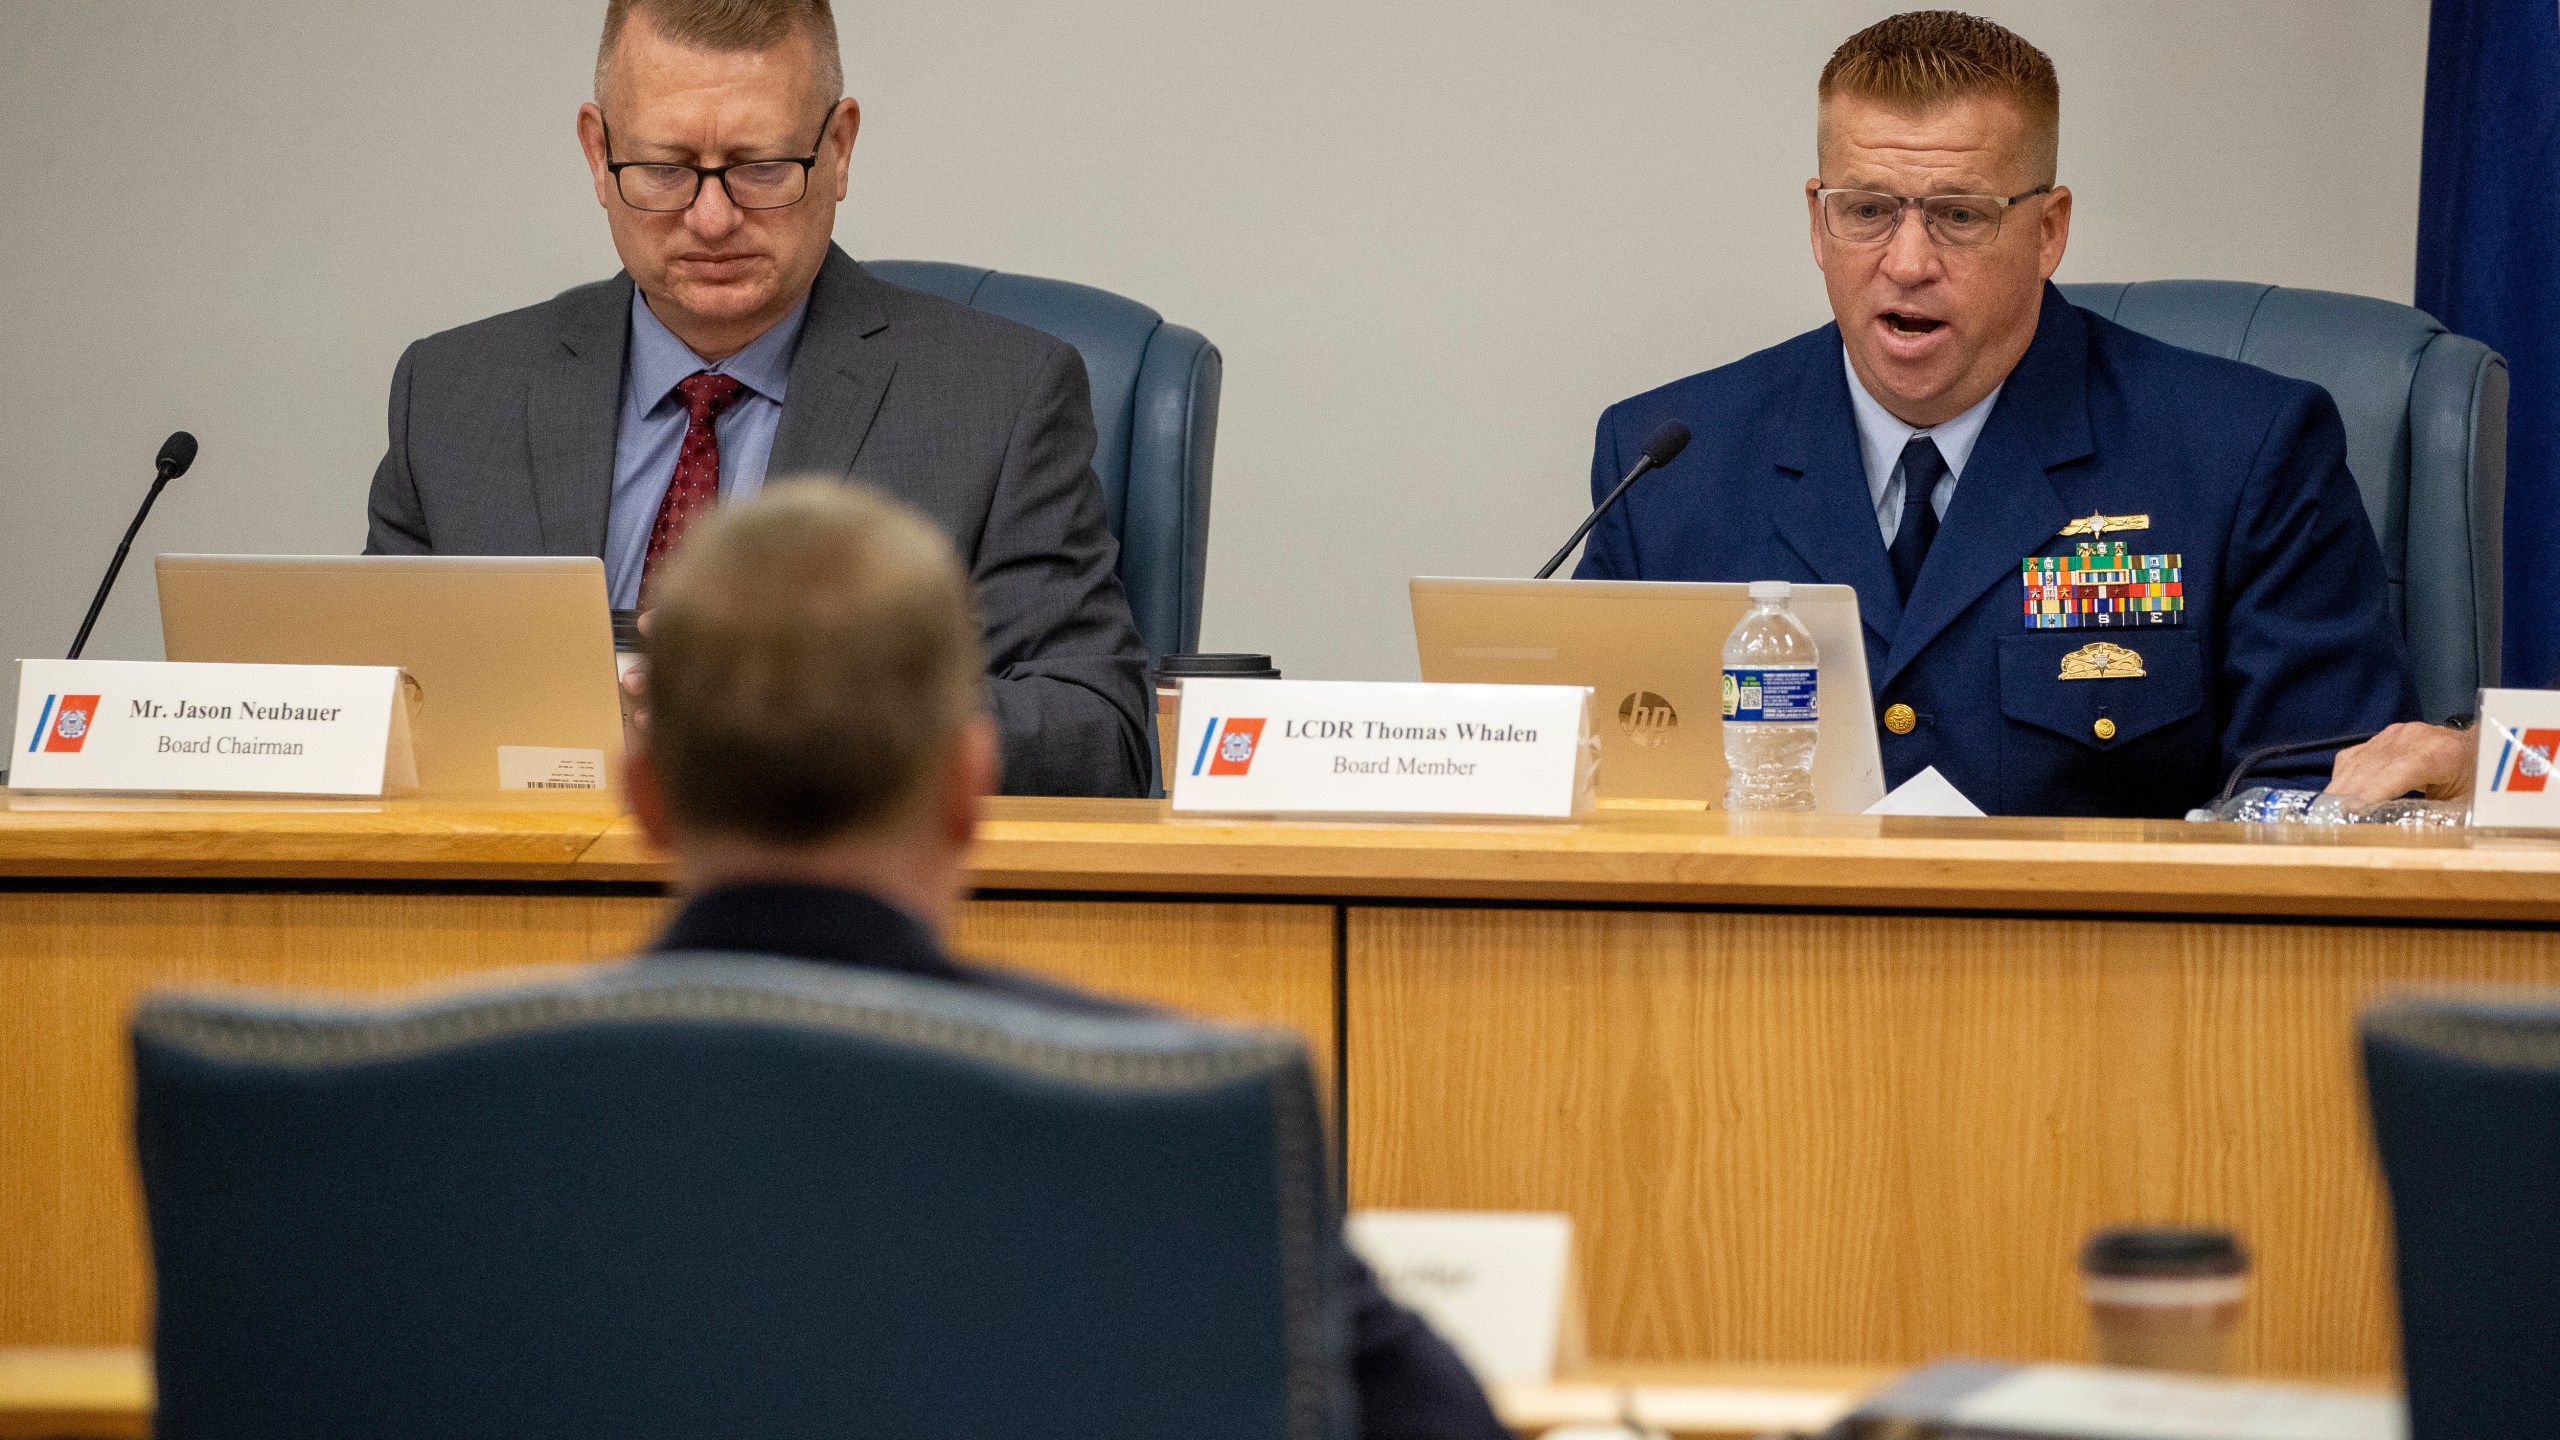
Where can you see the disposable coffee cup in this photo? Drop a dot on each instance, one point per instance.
(629, 648)
(2165, 1299)
(1171, 671)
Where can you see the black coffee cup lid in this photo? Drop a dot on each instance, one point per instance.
(1220, 666)
(2132, 1250)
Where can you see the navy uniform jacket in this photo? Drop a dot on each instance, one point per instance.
(2287, 633)
(1408, 1383)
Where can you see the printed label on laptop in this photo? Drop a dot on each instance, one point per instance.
(549, 767)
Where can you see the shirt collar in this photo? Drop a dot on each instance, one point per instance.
(660, 361)
(806, 922)
(1881, 436)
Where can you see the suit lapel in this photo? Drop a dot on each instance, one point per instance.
(575, 403)
(838, 377)
(1825, 512)
(2005, 506)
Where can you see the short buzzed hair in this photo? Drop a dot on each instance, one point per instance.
(813, 654)
(730, 27)
(1926, 58)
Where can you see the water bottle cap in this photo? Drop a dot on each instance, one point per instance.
(1772, 590)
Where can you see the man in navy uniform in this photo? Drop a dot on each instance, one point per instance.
(2095, 569)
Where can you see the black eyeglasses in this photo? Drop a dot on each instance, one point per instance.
(751, 184)
(1863, 217)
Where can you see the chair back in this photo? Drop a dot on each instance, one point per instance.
(2466, 1118)
(2426, 418)
(1155, 421)
(723, 1195)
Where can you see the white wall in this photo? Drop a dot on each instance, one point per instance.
(1432, 237)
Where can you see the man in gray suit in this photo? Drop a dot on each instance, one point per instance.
(740, 343)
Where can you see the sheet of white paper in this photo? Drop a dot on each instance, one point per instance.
(1493, 1283)
(1927, 793)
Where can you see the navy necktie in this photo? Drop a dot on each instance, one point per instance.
(1922, 468)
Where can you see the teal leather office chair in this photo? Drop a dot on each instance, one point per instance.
(729, 1195)
(1155, 420)
(2426, 417)
(2465, 1098)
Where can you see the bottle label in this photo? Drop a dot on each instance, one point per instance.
(1755, 696)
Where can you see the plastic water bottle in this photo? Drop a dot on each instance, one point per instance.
(1770, 670)
(2276, 805)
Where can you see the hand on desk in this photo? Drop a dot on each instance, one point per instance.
(2409, 756)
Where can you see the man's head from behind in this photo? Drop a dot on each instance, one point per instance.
(720, 83)
(815, 699)
(1937, 303)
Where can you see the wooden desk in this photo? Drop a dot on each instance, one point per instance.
(75, 1394)
(1816, 1089)
(106, 1394)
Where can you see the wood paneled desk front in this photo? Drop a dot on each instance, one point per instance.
(1817, 1090)
(107, 1394)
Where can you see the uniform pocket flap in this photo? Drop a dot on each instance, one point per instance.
(2102, 692)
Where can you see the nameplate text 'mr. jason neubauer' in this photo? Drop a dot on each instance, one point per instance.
(241, 710)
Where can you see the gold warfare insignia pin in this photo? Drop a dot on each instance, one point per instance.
(2102, 662)
(2095, 525)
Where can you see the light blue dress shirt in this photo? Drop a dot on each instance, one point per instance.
(1880, 441)
(650, 430)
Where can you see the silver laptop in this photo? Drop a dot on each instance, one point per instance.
(1652, 653)
(505, 651)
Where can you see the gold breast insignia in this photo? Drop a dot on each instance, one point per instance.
(2102, 662)
(2095, 525)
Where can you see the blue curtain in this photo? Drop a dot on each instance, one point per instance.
(2489, 267)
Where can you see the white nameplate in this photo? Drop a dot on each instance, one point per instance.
(2514, 785)
(1496, 1285)
(1335, 747)
(153, 726)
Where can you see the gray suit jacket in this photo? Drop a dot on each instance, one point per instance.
(502, 439)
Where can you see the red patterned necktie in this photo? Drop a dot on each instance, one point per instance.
(696, 486)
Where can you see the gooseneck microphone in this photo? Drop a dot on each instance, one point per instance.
(1660, 449)
(176, 454)
(2251, 762)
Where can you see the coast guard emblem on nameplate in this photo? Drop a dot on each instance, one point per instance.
(2102, 662)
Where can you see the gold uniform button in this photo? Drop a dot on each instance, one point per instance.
(1901, 719)
(2106, 728)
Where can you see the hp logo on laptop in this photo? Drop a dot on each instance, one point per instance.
(1647, 718)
